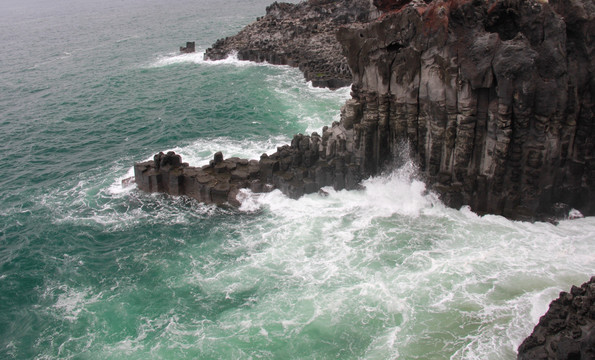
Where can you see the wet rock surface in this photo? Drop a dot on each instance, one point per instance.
(567, 330)
(300, 35)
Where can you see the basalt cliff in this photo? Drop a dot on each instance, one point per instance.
(493, 99)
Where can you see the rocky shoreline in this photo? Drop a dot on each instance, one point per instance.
(306, 165)
(300, 35)
(567, 330)
(493, 99)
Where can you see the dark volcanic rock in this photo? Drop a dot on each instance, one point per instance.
(300, 35)
(305, 166)
(189, 48)
(495, 99)
(567, 330)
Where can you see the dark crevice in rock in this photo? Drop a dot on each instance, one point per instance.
(395, 46)
(503, 21)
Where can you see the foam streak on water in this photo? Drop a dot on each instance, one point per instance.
(198, 58)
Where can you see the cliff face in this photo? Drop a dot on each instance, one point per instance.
(301, 35)
(494, 98)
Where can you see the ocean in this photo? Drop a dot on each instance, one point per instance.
(92, 269)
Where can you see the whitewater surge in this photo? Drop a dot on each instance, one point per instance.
(389, 266)
(431, 273)
(197, 57)
(383, 272)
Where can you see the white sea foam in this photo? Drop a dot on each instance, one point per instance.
(198, 153)
(201, 151)
(314, 107)
(396, 193)
(71, 302)
(198, 58)
(389, 263)
(307, 103)
(483, 279)
(177, 58)
(575, 214)
(123, 183)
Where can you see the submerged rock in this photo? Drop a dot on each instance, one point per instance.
(567, 330)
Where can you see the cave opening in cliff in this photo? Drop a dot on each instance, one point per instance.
(394, 46)
(503, 21)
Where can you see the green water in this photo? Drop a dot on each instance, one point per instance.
(90, 269)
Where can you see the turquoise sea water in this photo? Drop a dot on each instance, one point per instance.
(90, 269)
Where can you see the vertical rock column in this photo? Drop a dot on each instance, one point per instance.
(494, 98)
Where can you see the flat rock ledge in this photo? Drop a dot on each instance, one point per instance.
(567, 330)
(308, 164)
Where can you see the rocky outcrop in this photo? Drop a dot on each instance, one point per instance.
(567, 330)
(305, 166)
(301, 35)
(216, 183)
(189, 48)
(494, 98)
